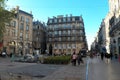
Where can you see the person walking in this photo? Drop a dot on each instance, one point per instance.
(74, 58)
(102, 56)
(79, 58)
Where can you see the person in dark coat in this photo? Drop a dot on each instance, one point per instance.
(79, 59)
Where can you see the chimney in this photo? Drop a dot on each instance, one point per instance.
(66, 15)
(17, 9)
(30, 12)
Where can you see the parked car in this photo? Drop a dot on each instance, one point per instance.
(29, 58)
(4, 54)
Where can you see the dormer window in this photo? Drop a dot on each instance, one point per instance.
(80, 18)
(73, 19)
(68, 18)
(59, 20)
(64, 19)
(55, 20)
(50, 21)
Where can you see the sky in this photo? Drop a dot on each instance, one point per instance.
(92, 11)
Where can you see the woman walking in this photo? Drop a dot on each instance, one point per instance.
(74, 58)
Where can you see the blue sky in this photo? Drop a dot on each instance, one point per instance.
(93, 11)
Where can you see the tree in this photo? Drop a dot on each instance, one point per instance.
(5, 17)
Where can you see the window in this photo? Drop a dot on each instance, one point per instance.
(59, 32)
(14, 33)
(50, 21)
(68, 19)
(27, 20)
(73, 19)
(59, 38)
(55, 32)
(64, 19)
(64, 32)
(81, 38)
(69, 32)
(63, 45)
(80, 18)
(37, 27)
(60, 47)
(59, 20)
(27, 28)
(69, 45)
(55, 20)
(21, 26)
(55, 26)
(27, 36)
(81, 25)
(50, 27)
(68, 38)
(22, 18)
(81, 32)
(14, 23)
(73, 45)
(73, 31)
(21, 35)
(73, 38)
(50, 39)
(37, 39)
(55, 45)
(8, 32)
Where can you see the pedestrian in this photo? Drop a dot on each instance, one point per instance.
(111, 55)
(12, 57)
(119, 58)
(79, 58)
(102, 56)
(74, 58)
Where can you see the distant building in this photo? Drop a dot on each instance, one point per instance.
(39, 37)
(66, 34)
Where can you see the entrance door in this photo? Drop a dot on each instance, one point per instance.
(119, 49)
(119, 45)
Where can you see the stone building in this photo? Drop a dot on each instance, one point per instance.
(17, 37)
(66, 34)
(114, 23)
(39, 37)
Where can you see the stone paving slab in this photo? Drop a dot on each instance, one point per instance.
(68, 72)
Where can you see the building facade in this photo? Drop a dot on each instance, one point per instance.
(114, 24)
(9, 37)
(39, 37)
(113, 8)
(101, 36)
(17, 38)
(66, 34)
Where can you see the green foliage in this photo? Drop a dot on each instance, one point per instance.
(57, 60)
(5, 17)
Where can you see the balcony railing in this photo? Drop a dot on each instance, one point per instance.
(113, 28)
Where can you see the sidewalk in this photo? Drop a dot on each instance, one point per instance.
(68, 72)
(101, 70)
